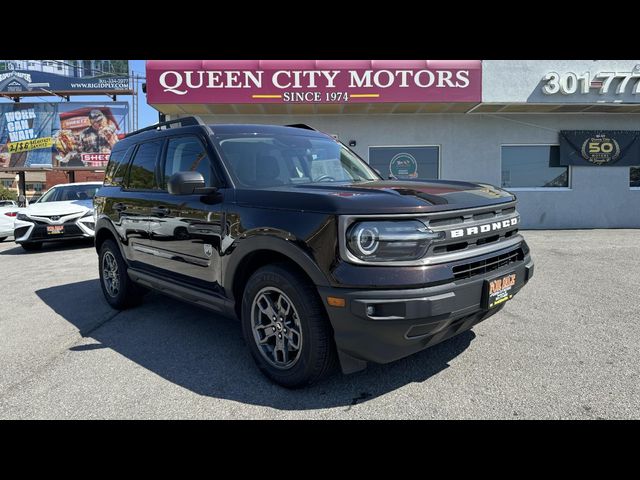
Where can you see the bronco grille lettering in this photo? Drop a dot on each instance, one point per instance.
(488, 227)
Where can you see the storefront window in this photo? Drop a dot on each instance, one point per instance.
(36, 187)
(533, 166)
(634, 177)
(406, 163)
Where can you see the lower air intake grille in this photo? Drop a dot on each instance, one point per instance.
(472, 269)
(19, 232)
(70, 230)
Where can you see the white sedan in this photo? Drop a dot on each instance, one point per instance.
(7, 217)
(63, 212)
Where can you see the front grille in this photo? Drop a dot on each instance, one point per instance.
(70, 230)
(444, 222)
(484, 216)
(467, 220)
(58, 215)
(42, 222)
(472, 269)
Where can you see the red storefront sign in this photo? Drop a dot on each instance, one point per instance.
(313, 81)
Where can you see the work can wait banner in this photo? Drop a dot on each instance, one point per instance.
(60, 135)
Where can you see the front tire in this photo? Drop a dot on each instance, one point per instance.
(286, 327)
(118, 289)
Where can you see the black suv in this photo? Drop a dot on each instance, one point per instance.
(320, 258)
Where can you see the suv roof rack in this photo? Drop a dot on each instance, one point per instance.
(184, 122)
(301, 125)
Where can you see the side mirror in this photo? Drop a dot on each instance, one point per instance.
(188, 183)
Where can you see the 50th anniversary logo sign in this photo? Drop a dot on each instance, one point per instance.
(617, 148)
(600, 149)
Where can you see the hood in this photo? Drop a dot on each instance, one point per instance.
(59, 208)
(383, 196)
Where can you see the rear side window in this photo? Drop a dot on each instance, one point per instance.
(114, 174)
(187, 154)
(142, 169)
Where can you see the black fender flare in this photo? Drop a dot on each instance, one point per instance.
(103, 222)
(284, 247)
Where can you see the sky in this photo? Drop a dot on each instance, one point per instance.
(147, 115)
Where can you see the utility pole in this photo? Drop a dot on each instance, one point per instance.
(22, 185)
(135, 103)
(132, 110)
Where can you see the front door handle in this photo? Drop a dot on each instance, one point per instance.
(161, 211)
(119, 207)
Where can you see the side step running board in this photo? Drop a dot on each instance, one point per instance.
(199, 297)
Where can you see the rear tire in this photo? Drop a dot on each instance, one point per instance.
(31, 246)
(297, 348)
(118, 289)
(2, 239)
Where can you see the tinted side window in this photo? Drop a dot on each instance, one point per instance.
(188, 154)
(117, 166)
(141, 172)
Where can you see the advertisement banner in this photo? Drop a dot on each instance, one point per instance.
(313, 81)
(618, 148)
(60, 135)
(42, 77)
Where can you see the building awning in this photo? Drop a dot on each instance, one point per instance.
(312, 109)
(555, 108)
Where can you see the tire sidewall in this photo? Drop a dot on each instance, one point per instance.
(283, 280)
(120, 299)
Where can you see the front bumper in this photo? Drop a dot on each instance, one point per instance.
(382, 326)
(31, 231)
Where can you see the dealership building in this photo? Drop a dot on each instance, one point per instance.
(564, 136)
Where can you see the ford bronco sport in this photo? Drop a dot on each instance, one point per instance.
(286, 229)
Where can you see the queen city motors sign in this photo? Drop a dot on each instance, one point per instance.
(312, 81)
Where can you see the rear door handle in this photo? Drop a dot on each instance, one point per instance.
(161, 211)
(119, 207)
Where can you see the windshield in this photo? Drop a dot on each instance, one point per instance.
(262, 160)
(69, 192)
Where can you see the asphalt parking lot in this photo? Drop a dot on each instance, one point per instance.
(566, 347)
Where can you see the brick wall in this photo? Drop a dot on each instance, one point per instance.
(55, 177)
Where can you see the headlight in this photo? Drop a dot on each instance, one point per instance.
(22, 216)
(390, 241)
(88, 214)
